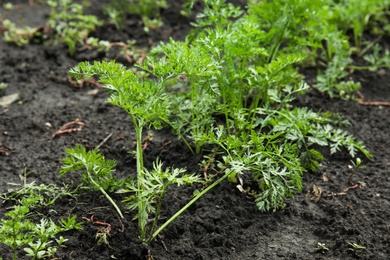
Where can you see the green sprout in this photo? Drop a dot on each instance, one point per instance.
(355, 248)
(355, 168)
(321, 247)
(70, 23)
(17, 230)
(149, 11)
(3, 85)
(19, 36)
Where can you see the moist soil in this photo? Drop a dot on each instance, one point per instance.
(224, 224)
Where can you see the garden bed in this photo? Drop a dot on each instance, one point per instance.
(224, 224)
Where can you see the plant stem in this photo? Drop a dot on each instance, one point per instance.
(186, 143)
(198, 196)
(106, 195)
(194, 98)
(181, 137)
(138, 124)
(365, 67)
(157, 214)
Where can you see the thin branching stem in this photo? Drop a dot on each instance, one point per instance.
(138, 124)
(157, 214)
(105, 194)
(198, 196)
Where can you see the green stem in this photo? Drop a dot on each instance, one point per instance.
(181, 137)
(106, 195)
(279, 38)
(256, 102)
(366, 67)
(186, 143)
(138, 124)
(157, 214)
(198, 196)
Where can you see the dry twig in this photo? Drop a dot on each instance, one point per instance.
(371, 103)
(66, 129)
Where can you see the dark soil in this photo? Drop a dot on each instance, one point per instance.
(224, 224)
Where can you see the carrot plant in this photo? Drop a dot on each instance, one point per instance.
(147, 105)
(233, 85)
(149, 11)
(379, 58)
(19, 36)
(356, 15)
(66, 19)
(328, 32)
(230, 86)
(18, 228)
(70, 23)
(149, 191)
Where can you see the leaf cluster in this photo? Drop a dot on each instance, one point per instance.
(141, 98)
(147, 190)
(233, 82)
(378, 59)
(148, 10)
(269, 159)
(149, 195)
(92, 162)
(46, 194)
(96, 171)
(18, 36)
(17, 229)
(328, 32)
(70, 23)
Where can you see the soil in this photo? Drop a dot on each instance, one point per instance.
(224, 224)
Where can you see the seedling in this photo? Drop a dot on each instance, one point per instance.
(355, 248)
(151, 24)
(127, 50)
(45, 231)
(149, 11)
(101, 236)
(14, 227)
(3, 85)
(17, 230)
(17, 35)
(355, 167)
(46, 193)
(356, 15)
(69, 22)
(8, 6)
(321, 247)
(102, 232)
(377, 59)
(149, 193)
